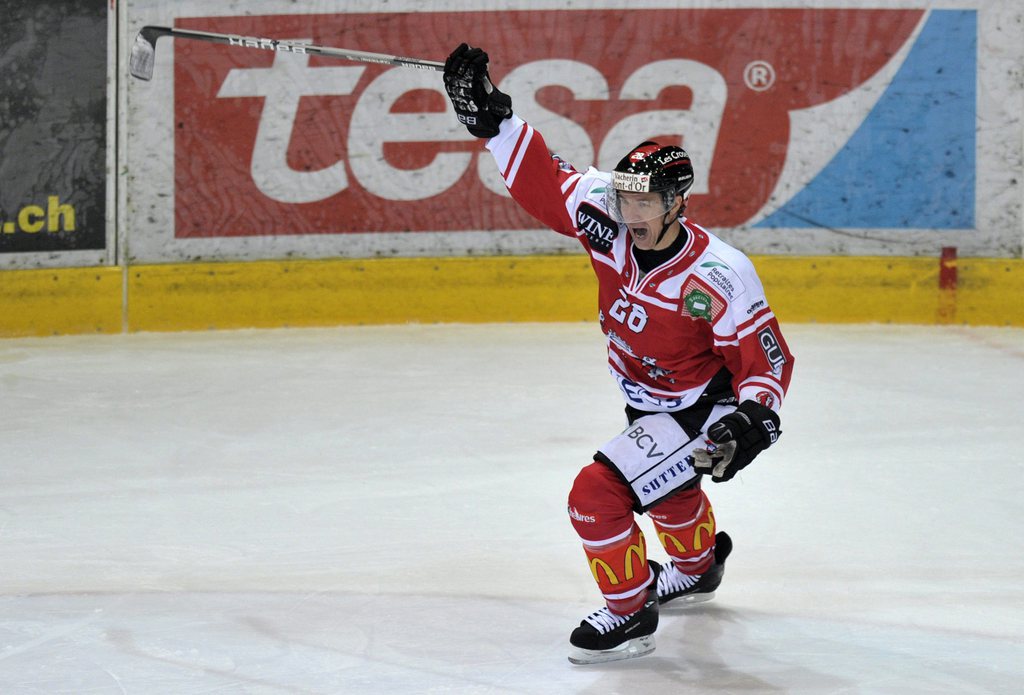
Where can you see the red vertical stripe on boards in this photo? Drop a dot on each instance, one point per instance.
(947, 285)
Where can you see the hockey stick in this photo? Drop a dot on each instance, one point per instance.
(143, 56)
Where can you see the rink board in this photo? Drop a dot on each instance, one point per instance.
(269, 294)
(363, 161)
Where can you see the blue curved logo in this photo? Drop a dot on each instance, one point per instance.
(911, 163)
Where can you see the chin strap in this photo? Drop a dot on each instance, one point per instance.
(665, 225)
(664, 228)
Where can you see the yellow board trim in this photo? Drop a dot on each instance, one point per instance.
(60, 301)
(349, 292)
(268, 294)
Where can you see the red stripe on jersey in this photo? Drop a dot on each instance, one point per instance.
(752, 320)
(515, 151)
(566, 194)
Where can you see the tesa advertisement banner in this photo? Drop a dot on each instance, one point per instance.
(278, 144)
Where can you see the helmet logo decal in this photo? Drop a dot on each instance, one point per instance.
(633, 183)
(671, 155)
(643, 152)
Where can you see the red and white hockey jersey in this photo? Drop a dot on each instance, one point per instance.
(670, 330)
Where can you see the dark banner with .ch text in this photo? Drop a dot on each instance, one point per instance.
(53, 125)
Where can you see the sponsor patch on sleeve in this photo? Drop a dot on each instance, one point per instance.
(765, 398)
(600, 229)
(772, 349)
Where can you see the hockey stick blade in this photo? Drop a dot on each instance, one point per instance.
(143, 55)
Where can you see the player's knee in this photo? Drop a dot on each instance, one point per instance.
(599, 502)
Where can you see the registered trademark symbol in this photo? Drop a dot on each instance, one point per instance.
(759, 75)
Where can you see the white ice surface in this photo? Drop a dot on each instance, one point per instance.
(382, 510)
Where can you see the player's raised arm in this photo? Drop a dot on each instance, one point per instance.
(541, 183)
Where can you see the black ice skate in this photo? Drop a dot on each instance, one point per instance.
(604, 636)
(687, 589)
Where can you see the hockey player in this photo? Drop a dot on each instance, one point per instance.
(692, 343)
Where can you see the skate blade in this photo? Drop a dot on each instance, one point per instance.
(687, 601)
(627, 650)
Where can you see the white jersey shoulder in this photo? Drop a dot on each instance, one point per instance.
(729, 272)
(592, 187)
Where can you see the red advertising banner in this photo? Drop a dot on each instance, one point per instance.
(277, 144)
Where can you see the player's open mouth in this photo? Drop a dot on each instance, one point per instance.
(639, 232)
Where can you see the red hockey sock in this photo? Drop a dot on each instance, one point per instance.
(686, 529)
(620, 568)
(601, 510)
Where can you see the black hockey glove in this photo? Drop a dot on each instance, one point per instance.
(478, 104)
(739, 437)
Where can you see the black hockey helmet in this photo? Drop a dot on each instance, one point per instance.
(651, 168)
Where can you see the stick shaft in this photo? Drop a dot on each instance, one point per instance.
(150, 34)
